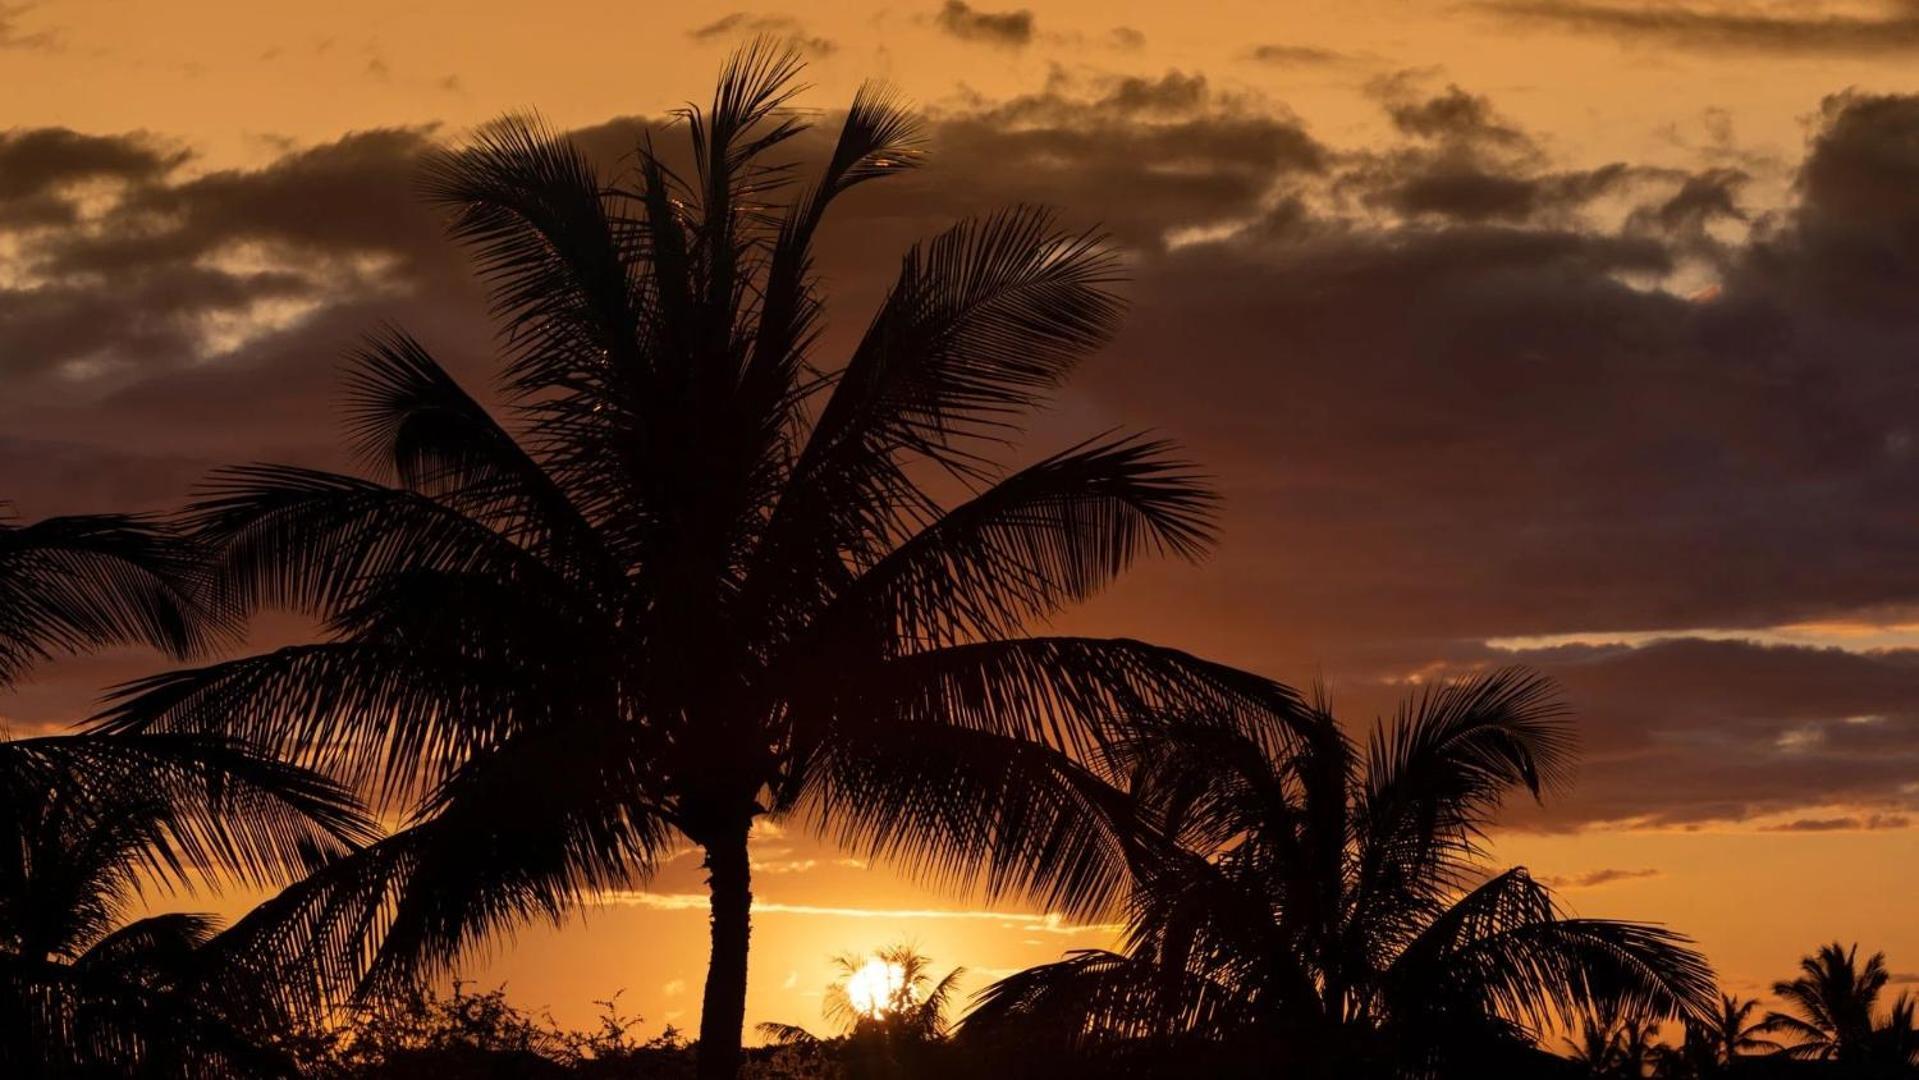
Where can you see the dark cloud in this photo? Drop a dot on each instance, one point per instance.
(1463, 162)
(963, 21)
(1448, 398)
(190, 321)
(1814, 32)
(1687, 731)
(745, 24)
(1125, 37)
(1295, 55)
(38, 161)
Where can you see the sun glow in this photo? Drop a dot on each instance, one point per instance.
(876, 988)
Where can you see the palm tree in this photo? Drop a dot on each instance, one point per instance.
(1612, 1045)
(907, 1001)
(698, 577)
(891, 1011)
(71, 584)
(1330, 911)
(89, 827)
(1732, 1032)
(1834, 998)
(1895, 1043)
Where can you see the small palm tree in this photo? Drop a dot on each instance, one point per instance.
(901, 998)
(701, 577)
(1732, 1031)
(891, 1011)
(1329, 910)
(1834, 1000)
(1614, 1046)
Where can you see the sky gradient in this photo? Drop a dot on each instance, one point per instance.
(1580, 335)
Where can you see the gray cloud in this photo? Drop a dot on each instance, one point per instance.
(1440, 414)
(963, 21)
(740, 24)
(1844, 824)
(1720, 28)
(1294, 55)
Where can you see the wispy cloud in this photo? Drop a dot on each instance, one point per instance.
(1850, 823)
(745, 24)
(1593, 879)
(1294, 55)
(1030, 922)
(12, 37)
(1716, 27)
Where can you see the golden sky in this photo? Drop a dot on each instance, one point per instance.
(1577, 333)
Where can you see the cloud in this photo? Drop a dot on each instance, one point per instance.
(1453, 388)
(746, 24)
(15, 39)
(1593, 879)
(1008, 28)
(1843, 824)
(1721, 28)
(1028, 921)
(1295, 55)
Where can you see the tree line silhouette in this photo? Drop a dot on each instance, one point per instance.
(697, 576)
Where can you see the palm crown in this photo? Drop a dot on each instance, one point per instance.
(1331, 909)
(699, 577)
(1834, 998)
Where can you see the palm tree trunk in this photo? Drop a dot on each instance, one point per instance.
(729, 880)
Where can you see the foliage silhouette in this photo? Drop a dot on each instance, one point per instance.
(1329, 913)
(90, 825)
(1834, 998)
(697, 577)
(73, 584)
(899, 1032)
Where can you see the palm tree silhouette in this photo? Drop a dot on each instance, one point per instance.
(701, 579)
(887, 1030)
(1732, 1032)
(1612, 1045)
(89, 825)
(1329, 911)
(1895, 1043)
(1834, 998)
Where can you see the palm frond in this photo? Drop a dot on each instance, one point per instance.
(201, 803)
(971, 811)
(981, 323)
(532, 210)
(1054, 532)
(70, 584)
(309, 539)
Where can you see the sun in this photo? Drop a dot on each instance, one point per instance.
(876, 988)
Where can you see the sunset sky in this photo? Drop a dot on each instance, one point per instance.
(1583, 335)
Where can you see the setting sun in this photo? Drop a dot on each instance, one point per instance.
(877, 988)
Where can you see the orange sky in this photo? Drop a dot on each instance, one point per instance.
(241, 85)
